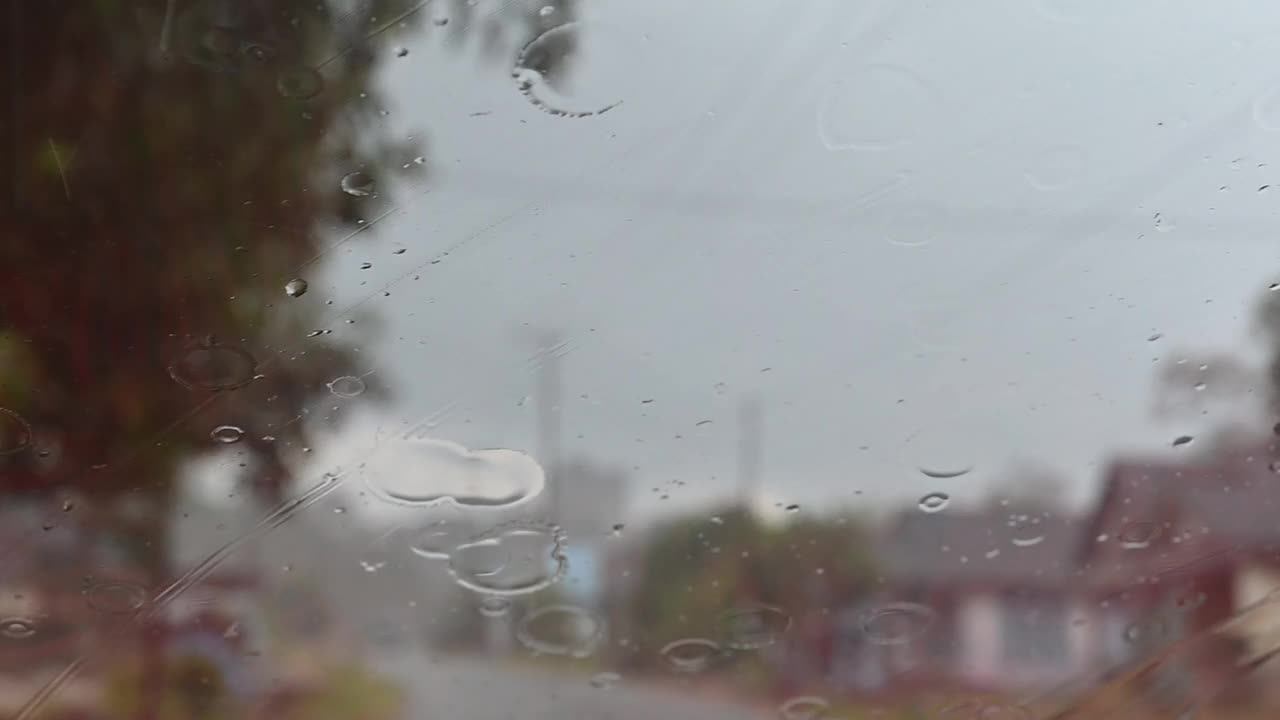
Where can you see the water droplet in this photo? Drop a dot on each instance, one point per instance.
(804, 707)
(945, 474)
(347, 386)
(440, 21)
(301, 83)
(402, 52)
(213, 367)
(793, 508)
(897, 623)
(358, 184)
(510, 560)
(1189, 599)
(1025, 530)
(424, 471)
(116, 598)
(1182, 440)
(1154, 337)
(553, 84)
(546, 11)
(373, 563)
(934, 502)
(1163, 223)
(494, 606)
(366, 265)
(753, 628)
(605, 680)
(1145, 632)
(1138, 535)
(878, 108)
(296, 287)
(690, 655)
(437, 539)
(226, 434)
(560, 630)
(15, 433)
(16, 628)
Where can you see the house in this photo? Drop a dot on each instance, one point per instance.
(1001, 592)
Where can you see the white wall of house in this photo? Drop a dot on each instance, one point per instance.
(984, 618)
(1261, 627)
(978, 632)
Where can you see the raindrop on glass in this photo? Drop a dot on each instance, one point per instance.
(934, 502)
(546, 11)
(296, 287)
(347, 386)
(16, 628)
(690, 655)
(211, 366)
(358, 184)
(560, 630)
(301, 83)
(116, 598)
(897, 623)
(15, 433)
(1182, 440)
(493, 606)
(605, 680)
(402, 52)
(753, 628)
(1138, 535)
(512, 560)
(226, 434)
(804, 707)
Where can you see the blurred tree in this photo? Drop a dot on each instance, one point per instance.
(694, 569)
(169, 166)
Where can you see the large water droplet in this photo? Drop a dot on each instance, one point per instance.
(753, 628)
(804, 707)
(880, 107)
(16, 628)
(296, 287)
(437, 539)
(347, 386)
(1025, 530)
(552, 72)
(116, 598)
(426, 471)
(934, 502)
(226, 434)
(494, 606)
(605, 680)
(1147, 631)
(358, 183)
(1138, 535)
(15, 433)
(560, 630)
(1189, 599)
(301, 83)
(897, 623)
(691, 655)
(532, 555)
(213, 367)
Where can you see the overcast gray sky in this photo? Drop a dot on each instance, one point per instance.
(924, 233)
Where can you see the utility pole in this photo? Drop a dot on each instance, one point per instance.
(547, 397)
(749, 439)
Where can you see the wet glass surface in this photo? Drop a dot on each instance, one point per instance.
(832, 360)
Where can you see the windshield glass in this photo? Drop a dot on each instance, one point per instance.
(831, 360)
